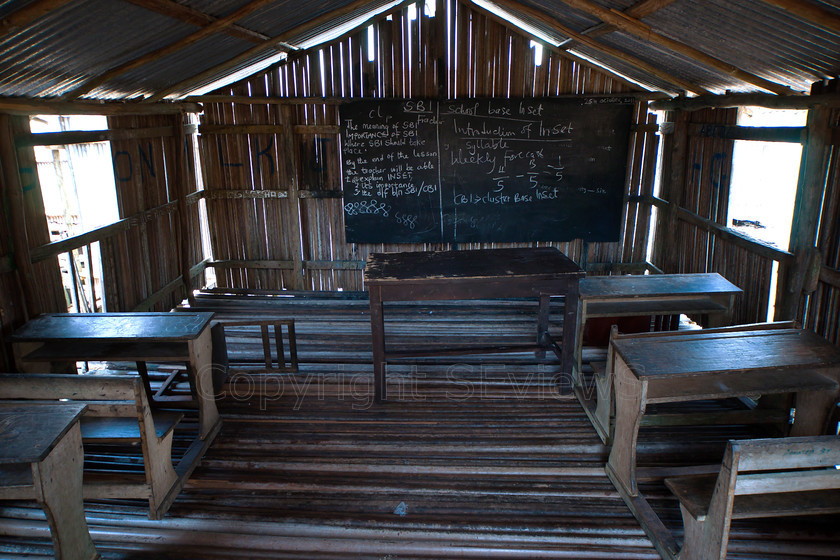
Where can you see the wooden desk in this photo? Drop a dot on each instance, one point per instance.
(59, 338)
(710, 296)
(454, 275)
(713, 366)
(41, 458)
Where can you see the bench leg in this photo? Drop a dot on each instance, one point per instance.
(160, 473)
(58, 488)
(201, 372)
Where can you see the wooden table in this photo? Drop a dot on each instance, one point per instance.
(59, 338)
(41, 457)
(719, 365)
(709, 296)
(486, 274)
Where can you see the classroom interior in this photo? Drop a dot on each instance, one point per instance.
(190, 160)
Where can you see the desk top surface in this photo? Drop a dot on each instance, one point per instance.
(28, 432)
(639, 285)
(418, 266)
(737, 351)
(113, 327)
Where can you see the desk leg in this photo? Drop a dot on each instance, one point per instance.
(570, 334)
(813, 409)
(377, 335)
(201, 370)
(58, 488)
(629, 408)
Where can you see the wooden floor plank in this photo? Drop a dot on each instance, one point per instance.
(473, 456)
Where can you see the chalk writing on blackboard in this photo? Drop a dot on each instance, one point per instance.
(484, 170)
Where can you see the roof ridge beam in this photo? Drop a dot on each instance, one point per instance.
(646, 33)
(157, 54)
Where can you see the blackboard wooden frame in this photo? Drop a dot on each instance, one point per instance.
(485, 170)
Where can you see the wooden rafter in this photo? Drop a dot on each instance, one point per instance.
(600, 47)
(28, 14)
(640, 9)
(257, 49)
(810, 12)
(216, 27)
(198, 18)
(644, 32)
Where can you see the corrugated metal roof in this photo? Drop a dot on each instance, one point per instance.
(749, 34)
(83, 39)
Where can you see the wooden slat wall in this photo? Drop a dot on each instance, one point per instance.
(144, 259)
(274, 194)
(47, 276)
(698, 181)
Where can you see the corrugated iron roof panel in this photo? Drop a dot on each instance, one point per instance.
(162, 73)
(78, 41)
(749, 34)
(755, 37)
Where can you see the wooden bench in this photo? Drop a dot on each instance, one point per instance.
(600, 406)
(758, 478)
(118, 411)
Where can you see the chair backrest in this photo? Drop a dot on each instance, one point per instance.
(777, 465)
(89, 388)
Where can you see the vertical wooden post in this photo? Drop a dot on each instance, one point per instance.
(17, 219)
(673, 175)
(806, 215)
(185, 232)
(294, 194)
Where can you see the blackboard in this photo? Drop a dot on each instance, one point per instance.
(484, 170)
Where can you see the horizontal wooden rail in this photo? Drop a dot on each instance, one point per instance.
(159, 295)
(44, 252)
(288, 264)
(830, 276)
(735, 237)
(792, 134)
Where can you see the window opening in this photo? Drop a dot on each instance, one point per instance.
(764, 180)
(79, 194)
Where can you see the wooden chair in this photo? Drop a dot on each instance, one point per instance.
(758, 478)
(274, 359)
(118, 412)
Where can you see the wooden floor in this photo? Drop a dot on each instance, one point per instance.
(472, 457)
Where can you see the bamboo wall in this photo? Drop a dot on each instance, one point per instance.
(153, 175)
(696, 173)
(270, 145)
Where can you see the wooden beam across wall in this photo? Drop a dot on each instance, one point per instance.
(49, 106)
(732, 100)
(645, 33)
(89, 136)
